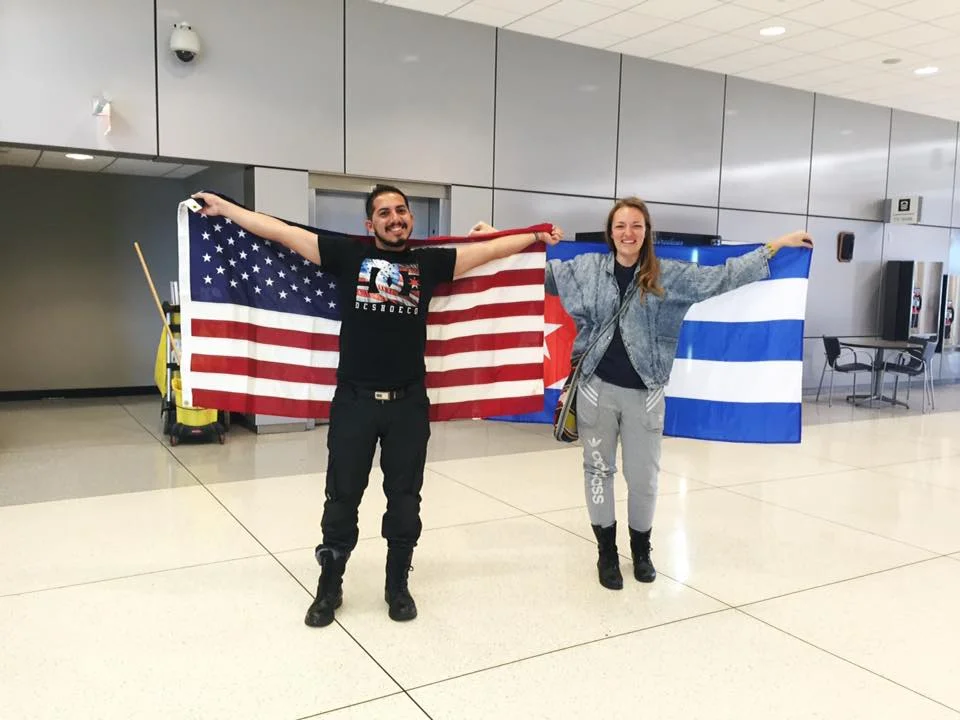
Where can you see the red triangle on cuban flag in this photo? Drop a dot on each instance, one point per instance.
(558, 336)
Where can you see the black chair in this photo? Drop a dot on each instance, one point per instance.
(911, 363)
(832, 349)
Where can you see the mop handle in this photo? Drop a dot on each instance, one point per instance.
(156, 299)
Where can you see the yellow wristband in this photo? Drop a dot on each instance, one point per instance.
(771, 250)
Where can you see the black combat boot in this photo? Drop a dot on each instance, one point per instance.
(643, 569)
(333, 563)
(396, 594)
(608, 564)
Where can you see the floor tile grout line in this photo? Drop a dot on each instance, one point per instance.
(845, 660)
(280, 564)
(726, 607)
(878, 469)
(574, 646)
(660, 573)
(131, 576)
(841, 581)
(403, 692)
(356, 704)
(830, 522)
(558, 527)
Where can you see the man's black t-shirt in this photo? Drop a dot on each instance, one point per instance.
(384, 297)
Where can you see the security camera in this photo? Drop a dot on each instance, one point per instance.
(184, 42)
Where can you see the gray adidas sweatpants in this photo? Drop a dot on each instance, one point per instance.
(606, 413)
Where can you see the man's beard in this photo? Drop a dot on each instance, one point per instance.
(395, 244)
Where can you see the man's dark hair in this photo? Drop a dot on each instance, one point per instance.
(379, 190)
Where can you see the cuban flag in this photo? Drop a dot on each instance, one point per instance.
(738, 373)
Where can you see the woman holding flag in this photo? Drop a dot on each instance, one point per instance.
(626, 363)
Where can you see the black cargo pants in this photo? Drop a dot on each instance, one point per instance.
(358, 420)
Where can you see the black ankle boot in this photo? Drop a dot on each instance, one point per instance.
(396, 594)
(333, 563)
(608, 564)
(643, 569)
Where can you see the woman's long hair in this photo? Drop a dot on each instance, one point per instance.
(648, 276)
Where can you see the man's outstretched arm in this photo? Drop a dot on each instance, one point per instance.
(470, 256)
(297, 239)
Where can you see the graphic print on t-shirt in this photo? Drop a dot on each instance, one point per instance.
(383, 286)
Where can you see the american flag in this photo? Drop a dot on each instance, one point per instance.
(260, 328)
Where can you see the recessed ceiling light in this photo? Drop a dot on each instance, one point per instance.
(773, 31)
(79, 156)
(929, 70)
(890, 61)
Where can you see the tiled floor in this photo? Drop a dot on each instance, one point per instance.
(143, 581)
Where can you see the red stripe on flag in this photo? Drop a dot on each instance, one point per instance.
(450, 240)
(484, 375)
(503, 341)
(261, 404)
(487, 312)
(505, 278)
(320, 409)
(234, 330)
(264, 369)
(486, 408)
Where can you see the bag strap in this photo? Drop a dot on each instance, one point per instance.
(626, 299)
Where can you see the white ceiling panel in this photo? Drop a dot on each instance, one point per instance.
(951, 23)
(107, 164)
(629, 23)
(814, 41)
(542, 26)
(577, 12)
(486, 14)
(827, 13)
(781, 6)
(136, 166)
(674, 10)
(925, 9)
(185, 171)
(833, 46)
(53, 160)
(726, 18)
(592, 37)
(874, 24)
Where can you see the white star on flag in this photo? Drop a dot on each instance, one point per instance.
(548, 330)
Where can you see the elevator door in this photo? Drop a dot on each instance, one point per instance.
(345, 212)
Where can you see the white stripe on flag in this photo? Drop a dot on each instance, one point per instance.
(486, 359)
(265, 318)
(784, 299)
(225, 382)
(496, 295)
(227, 347)
(496, 326)
(739, 382)
(310, 391)
(520, 261)
(488, 391)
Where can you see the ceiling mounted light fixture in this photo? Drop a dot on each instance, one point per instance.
(929, 70)
(79, 156)
(773, 31)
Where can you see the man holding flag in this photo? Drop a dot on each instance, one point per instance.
(384, 293)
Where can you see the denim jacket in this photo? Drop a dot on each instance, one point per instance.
(650, 327)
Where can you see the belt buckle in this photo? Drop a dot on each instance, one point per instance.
(382, 395)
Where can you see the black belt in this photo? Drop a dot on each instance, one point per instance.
(383, 395)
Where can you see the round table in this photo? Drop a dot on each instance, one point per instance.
(879, 346)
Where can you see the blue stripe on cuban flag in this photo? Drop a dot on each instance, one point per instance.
(738, 372)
